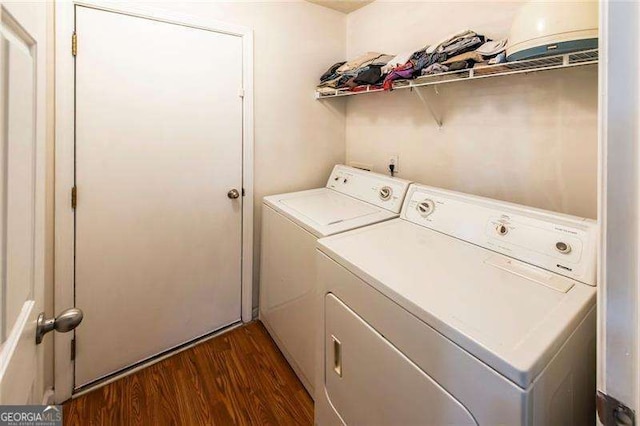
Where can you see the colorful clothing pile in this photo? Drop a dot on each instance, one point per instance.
(458, 51)
(359, 71)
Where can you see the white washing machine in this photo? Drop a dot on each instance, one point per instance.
(462, 311)
(291, 225)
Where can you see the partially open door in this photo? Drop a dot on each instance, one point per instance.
(22, 26)
(618, 352)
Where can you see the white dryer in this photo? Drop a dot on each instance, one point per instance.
(464, 310)
(291, 225)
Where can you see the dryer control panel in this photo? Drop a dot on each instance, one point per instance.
(374, 188)
(557, 242)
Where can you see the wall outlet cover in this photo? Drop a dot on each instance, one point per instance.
(395, 160)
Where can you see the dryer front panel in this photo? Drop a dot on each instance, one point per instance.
(368, 381)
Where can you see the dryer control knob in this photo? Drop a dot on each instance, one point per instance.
(385, 193)
(502, 229)
(425, 208)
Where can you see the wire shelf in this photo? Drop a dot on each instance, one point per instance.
(569, 60)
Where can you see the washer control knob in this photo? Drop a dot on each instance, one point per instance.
(385, 193)
(563, 247)
(502, 229)
(425, 208)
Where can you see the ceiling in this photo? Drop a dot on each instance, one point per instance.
(344, 6)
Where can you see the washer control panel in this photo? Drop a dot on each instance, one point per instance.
(380, 190)
(560, 243)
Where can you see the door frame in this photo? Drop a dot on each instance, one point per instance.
(65, 170)
(618, 356)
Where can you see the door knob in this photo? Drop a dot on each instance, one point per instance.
(233, 194)
(66, 321)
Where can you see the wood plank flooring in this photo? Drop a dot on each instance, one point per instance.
(238, 378)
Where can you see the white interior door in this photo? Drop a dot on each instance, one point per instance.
(158, 146)
(21, 200)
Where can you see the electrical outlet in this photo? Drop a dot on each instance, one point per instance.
(394, 159)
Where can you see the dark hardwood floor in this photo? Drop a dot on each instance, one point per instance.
(239, 378)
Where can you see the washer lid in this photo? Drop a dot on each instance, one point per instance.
(501, 310)
(326, 212)
(328, 208)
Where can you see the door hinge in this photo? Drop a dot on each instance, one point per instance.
(243, 192)
(73, 349)
(74, 44)
(612, 412)
(74, 197)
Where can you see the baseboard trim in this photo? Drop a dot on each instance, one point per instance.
(48, 396)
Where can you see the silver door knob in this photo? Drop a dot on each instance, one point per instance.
(233, 194)
(66, 321)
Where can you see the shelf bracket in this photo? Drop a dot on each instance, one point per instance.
(429, 104)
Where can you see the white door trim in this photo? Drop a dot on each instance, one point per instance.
(64, 161)
(619, 204)
(602, 190)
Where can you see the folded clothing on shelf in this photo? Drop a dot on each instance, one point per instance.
(365, 69)
(459, 65)
(498, 59)
(369, 75)
(457, 51)
(488, 53)
(450, 39)
(462, 45)
(492, 47)
(337, 82)
(359, 62)
(382, 60)
(402, 72)
(421, 59)
(331, 73)
(451, 46)
(397, 61)
(473, 56)
(436, 68)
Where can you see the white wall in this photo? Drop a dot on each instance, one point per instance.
(297, 139)
(526, 139)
